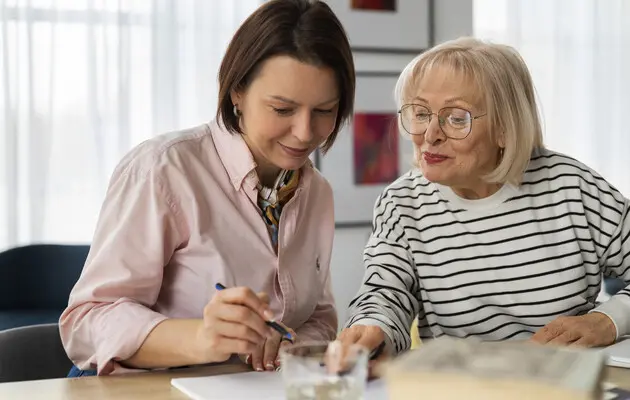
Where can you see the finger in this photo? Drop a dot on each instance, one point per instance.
(238, 331)
(245, 297)
(257, 356)
(547, 333)
(264, 297)
(337, 354)
(567, 337)
(582, 342)
(271, 352)
(229, 345)
(244, 316)
(245, 358)
(374, 366)
(283, 344)
(373, 370)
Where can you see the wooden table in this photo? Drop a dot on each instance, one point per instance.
(155, 385)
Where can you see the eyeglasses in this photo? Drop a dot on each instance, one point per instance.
(455, 123)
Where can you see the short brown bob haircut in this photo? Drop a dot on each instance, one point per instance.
(306, 30)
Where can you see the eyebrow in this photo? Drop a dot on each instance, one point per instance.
(447, 101)
(289, 101)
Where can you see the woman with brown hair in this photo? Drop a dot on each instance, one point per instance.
(233, 202)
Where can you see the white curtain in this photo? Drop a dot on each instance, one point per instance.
(81, 82)
(578, 52)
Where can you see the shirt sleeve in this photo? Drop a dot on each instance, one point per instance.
(109, 313)
(388, 296)
(611, 213)
(322, 324)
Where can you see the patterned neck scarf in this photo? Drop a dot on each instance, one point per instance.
(272, 204)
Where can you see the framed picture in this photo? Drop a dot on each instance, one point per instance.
(368, 63)
(385, 25)
(368, 154)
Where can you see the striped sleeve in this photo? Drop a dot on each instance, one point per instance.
(616, 263)
(388, 296)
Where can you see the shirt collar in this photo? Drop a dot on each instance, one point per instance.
(238, 160)
(234, 154)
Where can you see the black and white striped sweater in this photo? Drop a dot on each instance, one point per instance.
(497, 268)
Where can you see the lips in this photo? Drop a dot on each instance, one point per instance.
(293, 151)
(433, 158)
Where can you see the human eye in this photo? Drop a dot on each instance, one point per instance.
(422, 115)
(458, 117)
(325, 111)
(282, 111)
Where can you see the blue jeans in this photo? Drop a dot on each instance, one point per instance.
(77, 373)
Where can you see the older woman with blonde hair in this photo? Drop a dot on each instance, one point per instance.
(492, 236)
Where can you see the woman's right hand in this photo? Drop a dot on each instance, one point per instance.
(233, 323)
(367, 336)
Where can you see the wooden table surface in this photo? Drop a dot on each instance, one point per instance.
(155, 385)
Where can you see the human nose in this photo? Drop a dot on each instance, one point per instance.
(434, 132)
(303, 128)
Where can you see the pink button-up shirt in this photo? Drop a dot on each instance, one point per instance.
(180, 215)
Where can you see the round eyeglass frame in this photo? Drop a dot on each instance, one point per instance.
(441, 121)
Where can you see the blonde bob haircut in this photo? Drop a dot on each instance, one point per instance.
(502, 86)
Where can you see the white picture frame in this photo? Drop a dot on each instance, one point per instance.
(354, 203)
(405, 29)
(374, 63)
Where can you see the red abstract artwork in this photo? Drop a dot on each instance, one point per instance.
(375, 148)
(376, 5)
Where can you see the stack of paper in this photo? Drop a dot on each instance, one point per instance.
(465, 369)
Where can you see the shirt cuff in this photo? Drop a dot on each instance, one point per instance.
(618, 310)
(120, 332)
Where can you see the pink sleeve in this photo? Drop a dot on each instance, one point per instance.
(322, 325)
(109, 312)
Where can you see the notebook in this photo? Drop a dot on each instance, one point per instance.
(251, 385)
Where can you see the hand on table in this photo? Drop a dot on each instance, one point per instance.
(369, 337)
(233, 323)
(590, 330)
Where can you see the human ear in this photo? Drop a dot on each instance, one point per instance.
(236, 97)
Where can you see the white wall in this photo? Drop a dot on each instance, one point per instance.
(452, 18)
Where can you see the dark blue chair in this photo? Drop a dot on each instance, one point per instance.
(35, 282)
(613, 285)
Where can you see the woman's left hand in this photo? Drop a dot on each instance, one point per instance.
(590, 330)
(267, 357)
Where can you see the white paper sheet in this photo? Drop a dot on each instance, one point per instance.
(250, 385)
(619, 353)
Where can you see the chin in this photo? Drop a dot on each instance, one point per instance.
(434, 179)
(291, 163)
(434, 175)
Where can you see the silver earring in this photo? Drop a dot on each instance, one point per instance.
(236, 112)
